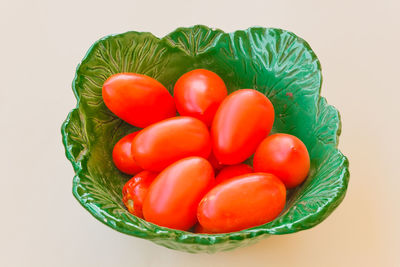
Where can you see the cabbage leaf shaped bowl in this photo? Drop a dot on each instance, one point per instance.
(273, 61)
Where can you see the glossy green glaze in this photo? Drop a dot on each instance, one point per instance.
(273, 61)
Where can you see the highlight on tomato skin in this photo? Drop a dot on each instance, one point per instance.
(241, 122)
(198, 93)
(135, 191)
(231, 171)
(167, 141)
(285, 156)
(137, 99)
(242, 202)
(174, 195)
(122, 155)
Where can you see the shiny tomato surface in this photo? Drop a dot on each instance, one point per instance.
(167, 141)
(174, 195)
(242, 202)
(138, 99)
(135, 191)
(198, 93)
(242, 121)
(122, 155)
(285, 156)
(231, 171)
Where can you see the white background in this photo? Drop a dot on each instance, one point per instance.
(41, 43)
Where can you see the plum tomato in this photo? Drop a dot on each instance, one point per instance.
(214, 162)
(231, 171)
(135, 191)
(285, 156)
(122, 155)
(138, 99)
(199, 229)
(198, 93)
(241, 122)
(167, 141)
(174, 195)
(242, 202)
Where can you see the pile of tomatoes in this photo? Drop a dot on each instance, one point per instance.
(188, 169)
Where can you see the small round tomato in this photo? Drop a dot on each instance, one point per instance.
(174, 195)
(285, 156)
(242, 202)
(231, 171)
(122, 155)
(198, 93)
(167, 141)
(242, 121)
(135, 191)
(138, 99)
(214, 162)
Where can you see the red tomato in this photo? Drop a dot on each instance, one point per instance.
(285, 156)
(122, 155)
(167, 141)
(242, 121)
(242, 202)
(173, 197)
(198, 93)
(135, 191)
(229, 172)
(201, 230)
(214, 162)
(138, 99)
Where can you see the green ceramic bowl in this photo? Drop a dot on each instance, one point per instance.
(275, 62)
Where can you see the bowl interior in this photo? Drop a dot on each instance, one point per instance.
(272, 61)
